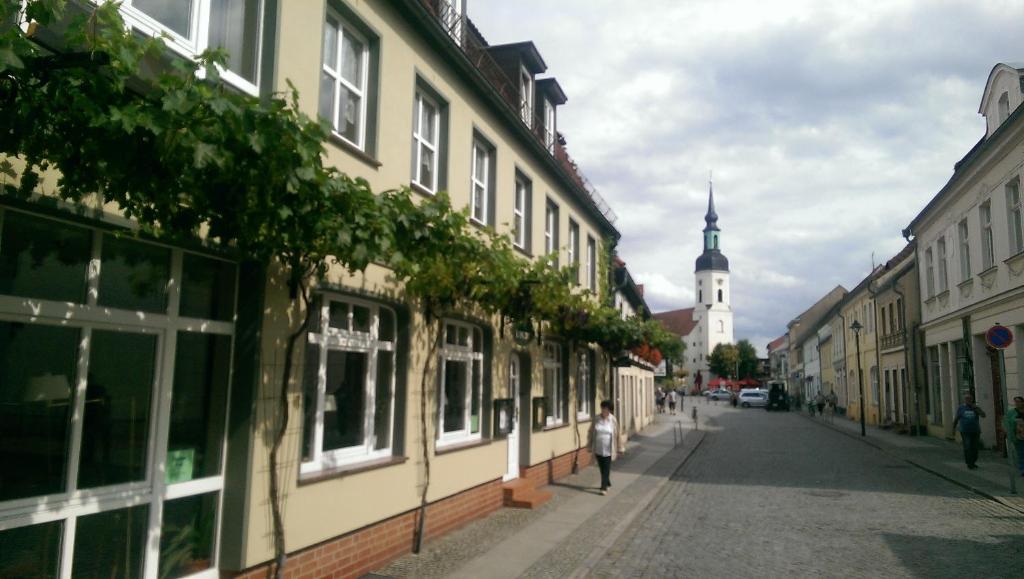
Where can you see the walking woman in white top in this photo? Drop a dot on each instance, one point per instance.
(604, 442)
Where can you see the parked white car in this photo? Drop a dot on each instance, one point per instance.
(720, 394)
(753, 399)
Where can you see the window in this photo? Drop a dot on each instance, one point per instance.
(481, 190)
(574, 249)
(233, 25)
(883, 320)
(965, 250)
(584, 399)
(943, 277)
(549, 126)
(719, 296)
(521, 221)
(721, 327)
(343, 80)
(526, 96)
(899, 314)
(929, 272)
(551, 232)
(988, 257)
(429, 139)
(1013, 213)
(935, 380)
(115, 417)
(874, 384)
(554, 387)
(350, 384)
(461, 395)
(591, 264)
(1004, 107)
(700, 296)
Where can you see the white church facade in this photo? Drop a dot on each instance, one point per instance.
(709, 323)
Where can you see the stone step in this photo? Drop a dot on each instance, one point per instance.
(532, 499)
(515, 487)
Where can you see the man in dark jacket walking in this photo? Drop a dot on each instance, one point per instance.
(968, 418)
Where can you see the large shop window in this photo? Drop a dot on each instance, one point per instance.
(461, 394)
(555, 385)
(115, 361)
(350, 384)
(192, 26)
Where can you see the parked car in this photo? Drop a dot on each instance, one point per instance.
(753, 399)
(720, 394)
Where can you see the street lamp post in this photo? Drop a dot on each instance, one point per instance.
(856, 327)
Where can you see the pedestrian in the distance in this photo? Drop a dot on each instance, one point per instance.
(671, 397)
(1013, 422)
(968, 418)
(819, 401)
(659, 400)
(604, 442)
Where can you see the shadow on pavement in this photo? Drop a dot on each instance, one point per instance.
(930, 557)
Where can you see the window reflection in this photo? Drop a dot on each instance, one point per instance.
(37, 378)
(43, 259)
(31, 552)
(110, 545)
(197, 406)
(134, 276)
(117, 408)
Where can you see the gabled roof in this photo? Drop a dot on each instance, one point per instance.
(777, 343)
(808, 321)
(1011, 67)
(553, 90)
(679, 322)
(527, 50)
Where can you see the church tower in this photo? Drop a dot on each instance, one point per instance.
(712, 308)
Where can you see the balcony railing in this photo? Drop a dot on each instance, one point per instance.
(894, 340)
(475, 48)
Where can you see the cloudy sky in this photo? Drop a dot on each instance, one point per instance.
(828, 126)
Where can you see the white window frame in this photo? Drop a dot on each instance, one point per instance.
(583, 402)
(591, 263)
(344, 30)
(988, 250)
(574, 241)
(519, 214)
(199, 33)
(550, 229)
(1015, 215)
(421, 141)
(549, 126)
(153, 491)
(929, 272)
(330, 339)
(551, 363)
(479, 181)
(963, 232)
(467, 354)
(943, 270)
(526, 96)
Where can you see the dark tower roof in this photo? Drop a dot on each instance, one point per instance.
(712, 258)
(711, 218)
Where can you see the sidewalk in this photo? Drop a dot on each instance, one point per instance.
(940, 457)
(561, 538)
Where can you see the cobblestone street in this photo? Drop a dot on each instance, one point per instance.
(773, 494)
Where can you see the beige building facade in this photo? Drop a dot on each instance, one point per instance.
(176, 447)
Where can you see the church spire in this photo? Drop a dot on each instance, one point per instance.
(712, 258)
(712, 217)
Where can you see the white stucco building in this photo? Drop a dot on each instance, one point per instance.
(970, 252)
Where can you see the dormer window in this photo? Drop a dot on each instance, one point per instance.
(549, 126)
(1004, 107)
(526, 96)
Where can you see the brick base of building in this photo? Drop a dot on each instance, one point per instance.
(359, 552)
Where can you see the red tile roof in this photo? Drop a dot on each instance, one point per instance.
(776, 343)
(679, 322)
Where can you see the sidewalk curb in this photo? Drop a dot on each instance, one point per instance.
(927, 469)
(594, 557)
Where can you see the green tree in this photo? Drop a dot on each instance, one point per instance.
(747, 359)
(723, 359)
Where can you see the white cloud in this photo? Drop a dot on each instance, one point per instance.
(828, 125)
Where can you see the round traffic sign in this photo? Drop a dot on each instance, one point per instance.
(999, 337)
